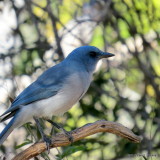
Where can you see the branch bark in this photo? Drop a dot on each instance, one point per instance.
(60, 139)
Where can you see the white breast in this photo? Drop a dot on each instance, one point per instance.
(75, 87)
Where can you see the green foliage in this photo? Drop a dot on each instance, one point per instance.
(125, 89)
(68, 151)
(24, 143)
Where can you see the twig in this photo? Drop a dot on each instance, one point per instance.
(60, 139)
(55, 30)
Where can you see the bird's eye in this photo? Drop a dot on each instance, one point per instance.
(93, 54)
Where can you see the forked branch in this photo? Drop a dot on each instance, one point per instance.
(60, 139)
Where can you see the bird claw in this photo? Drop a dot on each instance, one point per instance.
(69, 135)
(48, 142)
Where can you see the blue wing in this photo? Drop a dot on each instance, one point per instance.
(47, 85)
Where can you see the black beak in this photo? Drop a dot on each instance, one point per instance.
(106, 55)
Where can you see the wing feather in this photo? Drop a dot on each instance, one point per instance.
(47, 85)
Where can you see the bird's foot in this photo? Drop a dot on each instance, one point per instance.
(68, 134)
(48, 142)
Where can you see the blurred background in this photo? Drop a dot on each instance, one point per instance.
(37, 34)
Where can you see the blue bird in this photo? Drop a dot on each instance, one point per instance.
(55, 91)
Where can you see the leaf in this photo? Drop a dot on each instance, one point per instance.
(23, 144)
(70, 150)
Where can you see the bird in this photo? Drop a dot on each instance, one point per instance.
(55, 91)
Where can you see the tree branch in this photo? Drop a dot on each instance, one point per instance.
(60, 139)
(55, 30)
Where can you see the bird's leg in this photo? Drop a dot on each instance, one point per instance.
(46, 139)
(68, 134)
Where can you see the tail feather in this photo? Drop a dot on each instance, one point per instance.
(7, 130)
(8, 116)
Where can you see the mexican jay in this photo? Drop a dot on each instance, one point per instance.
(56, 90)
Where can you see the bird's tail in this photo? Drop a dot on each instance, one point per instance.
(8, 129)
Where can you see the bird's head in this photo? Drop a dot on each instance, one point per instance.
(88, 56)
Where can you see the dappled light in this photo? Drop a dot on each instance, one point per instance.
(38, 34)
